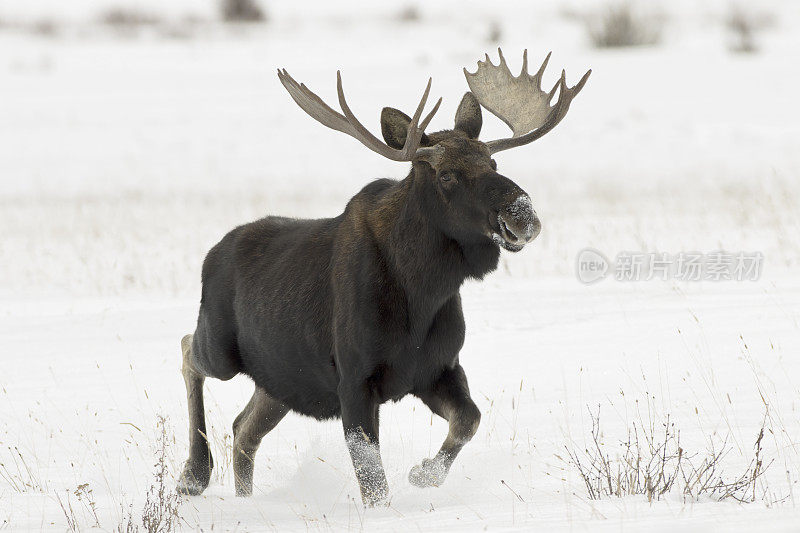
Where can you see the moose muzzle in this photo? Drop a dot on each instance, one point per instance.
(518, 223)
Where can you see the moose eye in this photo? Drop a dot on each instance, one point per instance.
(447, 177)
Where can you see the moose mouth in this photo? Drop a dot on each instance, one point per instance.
(505, 244)
(507, 238)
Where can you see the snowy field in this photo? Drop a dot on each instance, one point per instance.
(125, 155)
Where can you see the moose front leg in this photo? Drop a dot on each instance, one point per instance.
(360, 421)
(448, 398)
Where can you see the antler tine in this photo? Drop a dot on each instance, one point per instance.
(412, 127)
(562, 82)
(414, 135)
(539, 73)
(363, 134)
(524, 69)
(578, 86)
(429, 116)
(503, 63)
(415, 129)
(313, 104)
(349, 124)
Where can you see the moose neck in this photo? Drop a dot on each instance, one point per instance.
(430, 265)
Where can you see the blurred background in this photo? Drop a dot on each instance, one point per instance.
(134, 134)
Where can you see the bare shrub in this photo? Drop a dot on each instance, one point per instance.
(128, 524)
(409, 14)
(160, 513)
(742, 25)
(495, 34)
(125, 17)
(620, 25)
(648, 463)
(242, 11)
(651, 462)
(187, 27)
(45, 27)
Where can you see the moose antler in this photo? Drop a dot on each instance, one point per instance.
(519, 101)
(349, 124)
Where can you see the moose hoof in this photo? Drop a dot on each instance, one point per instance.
(430, 473)
(244, 489)
(376, 500)
(194, 480)
(374, 493)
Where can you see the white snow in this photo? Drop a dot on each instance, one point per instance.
(123, 159)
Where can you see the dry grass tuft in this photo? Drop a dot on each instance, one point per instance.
(160, 513)
(85, 498)
(19, 475)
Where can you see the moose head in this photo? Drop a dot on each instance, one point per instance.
(464, 194)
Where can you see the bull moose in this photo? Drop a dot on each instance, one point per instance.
(333, 317)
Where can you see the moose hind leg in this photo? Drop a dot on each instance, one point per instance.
(258, 418)
(448, 398)
(197, 471)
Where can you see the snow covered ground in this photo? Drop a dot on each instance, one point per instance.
(123, 158)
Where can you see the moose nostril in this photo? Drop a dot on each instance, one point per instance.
(507, 230)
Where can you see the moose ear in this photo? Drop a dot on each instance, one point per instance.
(394, 127)
(468, 116)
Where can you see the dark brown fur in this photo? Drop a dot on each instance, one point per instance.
(332, 317)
